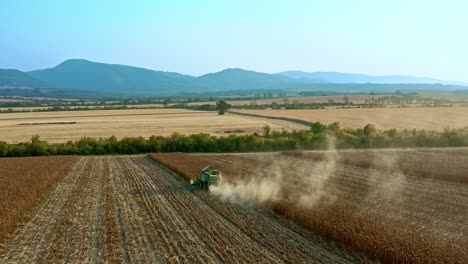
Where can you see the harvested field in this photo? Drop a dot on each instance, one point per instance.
(387, 214)
(453, 97)
(130, 209)
(430, 118)
(356, 99)
(134, 123)
(80, 107)
(24, 183)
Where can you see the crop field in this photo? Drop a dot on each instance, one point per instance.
(24, 183)
(430, 118)
(80, 107)
(132, 210)
(59, 127)
(356, 99)
(378, 205)
(453, 97)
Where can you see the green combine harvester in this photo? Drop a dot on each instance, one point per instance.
(207, 177)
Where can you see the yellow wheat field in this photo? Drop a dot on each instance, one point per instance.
(430, 118)
(59, 127)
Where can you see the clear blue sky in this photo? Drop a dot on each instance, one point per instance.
(415, 37)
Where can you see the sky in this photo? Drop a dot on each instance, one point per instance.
(395, 37)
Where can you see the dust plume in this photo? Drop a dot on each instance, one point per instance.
(256, 190)
(315, 179)
(303, 182)
(389, 185)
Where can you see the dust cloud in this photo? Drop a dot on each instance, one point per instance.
(310, 183)
(304, 183)
(262, 190)
(388, 189)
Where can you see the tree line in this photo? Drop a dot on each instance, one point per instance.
(319, 136)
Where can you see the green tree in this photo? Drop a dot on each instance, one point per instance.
(370, 129)
(37, 146)
(318, 127)
(3, 149)
(334, 127)
(266, 131)
(222, 107)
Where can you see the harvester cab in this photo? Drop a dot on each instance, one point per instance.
(207, 177)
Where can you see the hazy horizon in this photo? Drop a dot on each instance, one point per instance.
(392, 38)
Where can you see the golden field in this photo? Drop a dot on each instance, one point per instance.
(58, 127)
(430, 118)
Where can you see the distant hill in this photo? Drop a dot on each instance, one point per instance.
(341, 78)
(93, 78)
(121, 79)
(16, 78)
(239, 79)
(112, 78)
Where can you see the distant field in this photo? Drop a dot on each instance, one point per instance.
(11, 100)
(356, 99)
(431, 118)
(447, 96)
(32, 108)
(53, 127)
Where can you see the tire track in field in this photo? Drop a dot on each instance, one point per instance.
(132, 223)
(84, 246)
(112, 249)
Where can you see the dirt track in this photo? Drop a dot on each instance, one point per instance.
(129, 209)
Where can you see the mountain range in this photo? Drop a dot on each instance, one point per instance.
(114, 79)
(347, 78)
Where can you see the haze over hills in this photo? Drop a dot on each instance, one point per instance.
(115, 79)
(347, 78)
(239, 79)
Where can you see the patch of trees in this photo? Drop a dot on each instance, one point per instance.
(222, 107)
(288, 105)
(406, 99)
(319, 136)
